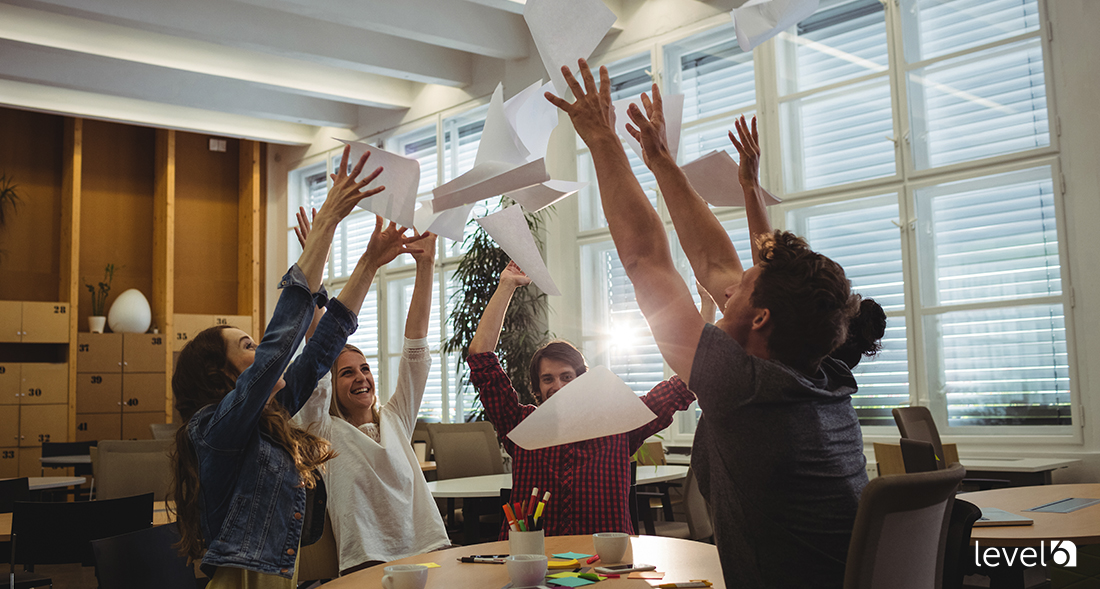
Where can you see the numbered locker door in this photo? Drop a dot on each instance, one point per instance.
(9, 463)
(43, 423)
(11, 321)
(11, 383)
(98, 426)
(98, 392)
(143, 352)
(99, 352)
(45, 322)
(9, 427)
(44, 384)
(143, 392)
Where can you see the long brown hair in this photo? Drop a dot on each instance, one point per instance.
(203, 376)
(334, 408)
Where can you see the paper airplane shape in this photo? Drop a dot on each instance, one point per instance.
(500, 166)
(509, 229)
(714, 177)
(401, 177)
(673, 107)
(757, 21)
(532, 119)
(595, 404)
(537, 197)
(565, 31)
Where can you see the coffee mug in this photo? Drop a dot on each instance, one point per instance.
(526, 542)
(526, 570)
(405, 576)
(611, 546)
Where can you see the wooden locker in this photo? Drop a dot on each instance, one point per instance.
(30, 463)
(11, 382)
(45, 322)
(98, 426)
(44, 384)
(143, 392)
(9, 426)
(11, 321)
(99, 352)
(135, 426)
(98, 393)
(143, 352)
(43, 423)
(187, 326)
(9, 462)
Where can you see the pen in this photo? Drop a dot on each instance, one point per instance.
(482, 559)
(685, 585)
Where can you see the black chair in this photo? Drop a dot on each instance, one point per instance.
(12, 490)
(916, 423)
(144, 558)
(919, 456)
(61, 533)
(957, 561)
(54, 449)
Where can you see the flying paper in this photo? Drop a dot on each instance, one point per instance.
(450, 223)
(595, 404)
(537, 197)
(401, 176)
(757, 21)
(532, 119)
(509, 229)
(673, 107)
(714, 177)
(500, 166)
(565, 31)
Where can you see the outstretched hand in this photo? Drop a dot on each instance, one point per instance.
(512, 276)
(347, 191)
(304, 225)
(426, 252)
(591, 113)
(386, 244)
(650, 129)
(749, 150)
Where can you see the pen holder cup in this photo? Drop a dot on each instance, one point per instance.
(526, 542)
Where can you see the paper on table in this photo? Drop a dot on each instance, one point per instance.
(674, 115)
(758, 21)
(714, 177)
(537, 197)
(532, 118)
(509, 229)
(401, 177)
(595, 404)
(565, 31)
(500, 166)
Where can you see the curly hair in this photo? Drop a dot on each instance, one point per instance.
(865, 331)
(203, 376)
(809, 297)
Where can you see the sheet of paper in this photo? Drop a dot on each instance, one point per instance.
(577, 555)
(674, 116)
(401, 177)
(562, 575)
(758, 21)
(450, 223)
(532, 118)
(594, 405)
(565, 31)
(500, 166)
(509, 229)
(537, 197)
(570, 582)
(714, 177)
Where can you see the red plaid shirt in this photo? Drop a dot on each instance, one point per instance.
(589, 482)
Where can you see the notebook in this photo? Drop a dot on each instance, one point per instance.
(991, 516)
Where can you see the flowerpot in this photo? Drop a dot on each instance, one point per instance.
(96, 323)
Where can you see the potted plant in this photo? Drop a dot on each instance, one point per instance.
(9, 199)
(98, 318)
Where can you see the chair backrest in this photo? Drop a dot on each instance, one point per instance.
(695, 509)
(919, 456)
(900, 532)
(164, 431)
(132, 467)
(144, 558)
(50, 449)
(652, 453)
(61, 533)
(916, 423)
(12, 490)
(957, 563)
(319, 561)
(465, 449)
(420, 434)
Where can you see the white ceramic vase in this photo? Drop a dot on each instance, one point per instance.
(96, 323)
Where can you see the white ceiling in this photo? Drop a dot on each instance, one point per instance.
(267, 69)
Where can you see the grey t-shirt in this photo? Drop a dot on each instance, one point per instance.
(779, 457)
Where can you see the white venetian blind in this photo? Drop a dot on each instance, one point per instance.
(633, 351)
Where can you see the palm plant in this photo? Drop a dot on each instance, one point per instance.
(9, 198)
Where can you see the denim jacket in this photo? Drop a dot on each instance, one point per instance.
(252, 503)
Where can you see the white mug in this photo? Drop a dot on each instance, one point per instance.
(526, 542)
(405, 576)
(611, 546)
(526, 570)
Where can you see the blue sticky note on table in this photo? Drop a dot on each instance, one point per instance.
(572, 555)
(571, 582)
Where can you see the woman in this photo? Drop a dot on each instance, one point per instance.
(378, 500)
(241, 471)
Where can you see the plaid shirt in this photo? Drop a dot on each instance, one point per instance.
(589, 481)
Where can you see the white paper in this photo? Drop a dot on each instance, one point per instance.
(537, 197)
(500, 166)
(401, 177)
(565, 31)
(595, 404)
(714, 177)
(673, 107)
(451, 223)
(532, 118)
(509, 229)
(758, 21)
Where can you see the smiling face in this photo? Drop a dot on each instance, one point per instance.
(240, 353)
(354, 383)
(553, 375)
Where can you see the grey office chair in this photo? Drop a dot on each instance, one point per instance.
(131, 467)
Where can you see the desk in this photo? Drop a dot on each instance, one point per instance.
(46, 483)
(490, 485)
(161, 516)
(63, 461)
(680, 560)
(427, 466)
(1082, 526)
(1020, 471)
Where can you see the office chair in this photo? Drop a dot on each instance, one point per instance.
(698, 524)
(144, 558)
(916, 423)
(124, 468)
(464, 450)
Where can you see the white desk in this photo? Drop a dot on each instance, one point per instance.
(44, 483)
(490, 485)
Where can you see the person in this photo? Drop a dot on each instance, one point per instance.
(589, 481)
(378, 500)
(241, 471)
(778, 452)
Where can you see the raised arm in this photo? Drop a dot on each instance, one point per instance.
(636, 229)
(420, 307)
(385, 245)
(492, 318)
(748, 174)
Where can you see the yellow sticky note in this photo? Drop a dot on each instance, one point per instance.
(430, 565)
(562, 564)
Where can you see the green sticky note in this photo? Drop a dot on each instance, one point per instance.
(572, 555)
(571, 582)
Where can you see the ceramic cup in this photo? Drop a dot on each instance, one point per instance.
(611, 546)
(526, 542)
(526, 570)
(405, 576)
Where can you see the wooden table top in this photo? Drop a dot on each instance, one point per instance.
(161, 516)
(1081, 526)
(680, 560)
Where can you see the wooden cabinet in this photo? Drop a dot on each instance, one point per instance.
(119, 374)
(34, 322)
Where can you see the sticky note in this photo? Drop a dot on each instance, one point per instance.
(571, 555)
(570, 582)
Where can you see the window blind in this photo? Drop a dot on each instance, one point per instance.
(940, 27)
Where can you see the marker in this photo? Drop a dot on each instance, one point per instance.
(482, 559)
(531, 502)
(511, 517)
(538, 510)
(593, 559)
(685, 585)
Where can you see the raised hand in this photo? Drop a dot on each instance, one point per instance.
(512, 276)
(650, 129)
(591, 113)
(303, 228)
(347, 191)
(426, 252)
(386, 244)
(749, 149)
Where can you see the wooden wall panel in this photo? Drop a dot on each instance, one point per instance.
(116, 221)
(32, 153)
(206, 237)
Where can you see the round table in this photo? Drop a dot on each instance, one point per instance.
(680, 561)
(1081, 527)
